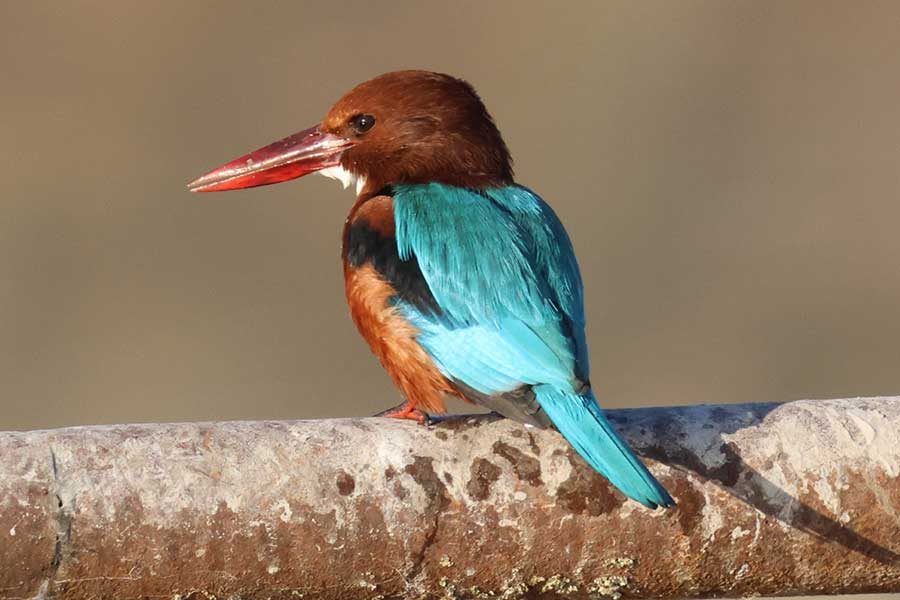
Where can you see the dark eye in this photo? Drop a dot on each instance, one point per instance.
(362, 123)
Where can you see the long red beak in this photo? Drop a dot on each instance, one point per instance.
(294, 156)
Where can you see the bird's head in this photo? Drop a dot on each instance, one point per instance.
(401, 127)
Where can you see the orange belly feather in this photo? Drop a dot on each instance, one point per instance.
(393, 339)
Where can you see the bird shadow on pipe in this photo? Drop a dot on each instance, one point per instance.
(743, 481)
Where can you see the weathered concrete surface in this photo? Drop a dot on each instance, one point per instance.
(797, 498)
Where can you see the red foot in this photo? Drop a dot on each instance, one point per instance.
(405, 411)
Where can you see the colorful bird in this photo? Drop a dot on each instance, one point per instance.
(462, 281)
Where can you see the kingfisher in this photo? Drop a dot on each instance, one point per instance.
(463, 282)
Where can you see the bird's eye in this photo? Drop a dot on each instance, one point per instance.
(362, 123)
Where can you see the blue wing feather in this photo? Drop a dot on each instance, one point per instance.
(501, 267)
(472, 250)
(500, 260)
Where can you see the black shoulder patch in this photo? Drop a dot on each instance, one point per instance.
(365, 245)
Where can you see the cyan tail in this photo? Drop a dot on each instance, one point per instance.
(581, 421)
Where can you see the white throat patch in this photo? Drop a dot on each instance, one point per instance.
(345, 177)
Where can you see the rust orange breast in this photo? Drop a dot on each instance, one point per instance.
(368, 242)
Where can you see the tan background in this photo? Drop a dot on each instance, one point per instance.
(728, 171)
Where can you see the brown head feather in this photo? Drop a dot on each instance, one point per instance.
(429, 127)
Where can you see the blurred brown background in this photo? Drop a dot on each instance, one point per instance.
(728, 171)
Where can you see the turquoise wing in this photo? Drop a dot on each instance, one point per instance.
(510, 324)
(502, 269)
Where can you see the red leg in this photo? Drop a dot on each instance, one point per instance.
(407, 410)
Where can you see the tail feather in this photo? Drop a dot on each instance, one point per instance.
(582, 422)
